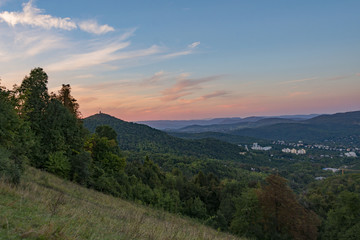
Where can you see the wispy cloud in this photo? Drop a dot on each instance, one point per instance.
(299, 80)
(102, 55)
(30, 38)
(34, 17)
(92, 26)
(205, 97)
(153, 79)
(94, 57)
(19, 45)
(184, 87)
(36, 42)
(176, 54)
(194, 45)
(189, 50)
(215, 94)
(127, 34)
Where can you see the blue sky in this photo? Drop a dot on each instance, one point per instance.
(141, 60)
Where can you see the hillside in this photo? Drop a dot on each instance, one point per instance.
(141, 138)
(246, 123)
(169, 125)
(175, 124)
(347, 118)
(47, 207)
(341, 127)
(235, 139)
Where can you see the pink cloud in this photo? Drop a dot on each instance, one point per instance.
(184, 87)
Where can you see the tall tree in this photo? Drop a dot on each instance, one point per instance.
(68, 100)
(15, 138)
(33, 98)
(63, 136)
(283, 216)
(56, 128)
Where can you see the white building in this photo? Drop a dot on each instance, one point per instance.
(286, 150)
(294, 151)
(301, 151)
(256, 146)
(350, 154)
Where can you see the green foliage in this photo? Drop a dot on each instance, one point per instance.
(15, 138)
(62, 130)
(340, 128)
(80, 167)
(336, 200)
(62, 210)
(194, 207)
(247, 218)
(10, 170)
(141, 138)
(58, 164)
(68, 100)
(105, 154)
(343, 221)
(33, 97)
(54, 126)
(106, 131)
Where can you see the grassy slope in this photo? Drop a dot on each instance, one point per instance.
(47, 207)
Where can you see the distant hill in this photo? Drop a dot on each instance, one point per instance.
(339, 127)
(347, 118)
(246, 123)
(177, 124)
(235, 139)
(142, 138)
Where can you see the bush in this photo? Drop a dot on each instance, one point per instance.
(10, 171)
(80, 164)
(58, 164)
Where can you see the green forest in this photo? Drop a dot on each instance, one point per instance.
(202, 179)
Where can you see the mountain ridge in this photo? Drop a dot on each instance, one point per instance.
(142, 138)
(177, 124)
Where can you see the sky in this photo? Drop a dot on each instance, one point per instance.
(150, 60)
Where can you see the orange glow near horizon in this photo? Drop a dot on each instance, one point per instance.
(137, 109)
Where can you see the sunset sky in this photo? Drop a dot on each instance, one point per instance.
(147, 60)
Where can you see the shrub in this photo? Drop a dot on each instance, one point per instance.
(58, 164)
(10, 170)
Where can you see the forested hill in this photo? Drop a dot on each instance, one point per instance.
(347, 118)
(138, 137)
(340, 127)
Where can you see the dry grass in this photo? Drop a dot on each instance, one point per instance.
(47, 207)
